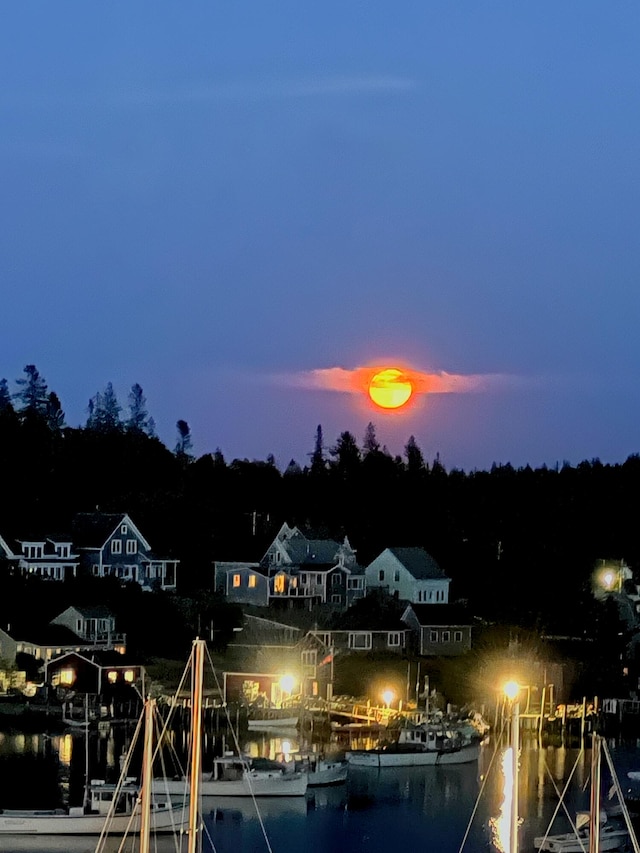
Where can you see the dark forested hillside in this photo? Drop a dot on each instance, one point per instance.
(520, 544)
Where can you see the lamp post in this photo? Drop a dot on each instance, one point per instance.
(512, 691)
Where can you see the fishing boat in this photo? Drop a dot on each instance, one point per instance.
(240, 776)
(120, 808)
(321, 770)
(420, 746)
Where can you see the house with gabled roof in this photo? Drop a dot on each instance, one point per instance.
(295, 571)
(51, 557)
(93, 624)
(309, 571)
(443, 630)
(110, 544)
(409, 574)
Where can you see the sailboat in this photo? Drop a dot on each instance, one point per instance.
(120, 808)
(232, 775)
(591, 831)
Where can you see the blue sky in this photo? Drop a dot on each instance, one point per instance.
(200, 196)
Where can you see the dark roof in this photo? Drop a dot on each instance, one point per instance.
(421, 565)
(46, 635)
(441, 614)
(312, 551)
(97, 611)
(92, 529)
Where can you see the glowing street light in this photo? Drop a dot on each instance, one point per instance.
(387, 697)
(287, 683)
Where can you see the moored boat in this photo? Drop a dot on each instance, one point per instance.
(240, 776)
(115, 806)
(577, 842)
(125, 807)
(420, 746)
(321, 770)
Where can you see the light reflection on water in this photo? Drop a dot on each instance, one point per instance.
(375, 812)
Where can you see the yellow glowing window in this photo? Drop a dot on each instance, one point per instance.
(236, 580)
(128, 676)
(278, 583)
(67, 676)
(112, 676)
(252, 580)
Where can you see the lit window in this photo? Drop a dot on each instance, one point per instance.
(67, 676)
(278, 583)
(129, 676)
(112, 676)
(236, 580)
(116, 546)
(252, 581)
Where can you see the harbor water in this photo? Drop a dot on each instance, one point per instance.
(431, 809)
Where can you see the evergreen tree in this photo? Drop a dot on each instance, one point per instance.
(54, 414)
(370, 443)
(318, 461)
(33, 395)
(346, 453)
(138, 420)
(151, 427)
(104, 411)
(183, 447)
(111, 408)
(413, 454)
(5, 396)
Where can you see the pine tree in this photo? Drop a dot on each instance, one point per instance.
(370, 443)
(318, 461)
(138, 420)
(33, 394)
(183, 447)
(346, 453)
(111, 408)
(5, 396)
(104, 411)
(415, 459)
(54, 415)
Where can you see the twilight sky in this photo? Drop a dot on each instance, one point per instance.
(215, 198)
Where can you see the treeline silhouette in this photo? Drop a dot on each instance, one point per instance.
(520, 544)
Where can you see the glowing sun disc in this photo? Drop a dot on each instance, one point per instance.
(390, 388)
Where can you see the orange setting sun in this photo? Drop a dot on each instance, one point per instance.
(390, 388)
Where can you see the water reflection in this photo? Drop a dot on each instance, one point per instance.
(500, 826)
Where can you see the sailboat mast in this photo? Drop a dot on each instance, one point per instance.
(197, 678)
(594, 808)
(147, 778)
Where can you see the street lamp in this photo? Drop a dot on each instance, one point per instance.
(387, 697)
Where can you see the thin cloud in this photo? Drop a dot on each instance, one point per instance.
(356, 380)
(349, 86)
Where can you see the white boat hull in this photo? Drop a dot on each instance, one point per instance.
(424, 758)
(273, 723)
(250, 785)
(328, 773)
(610, 839)
(44, 823)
